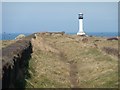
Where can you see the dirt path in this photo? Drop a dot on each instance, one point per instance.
(73, 70)
(73, 75)
(73, 78)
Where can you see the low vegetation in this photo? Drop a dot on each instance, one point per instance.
(5, 43)
(64, 61)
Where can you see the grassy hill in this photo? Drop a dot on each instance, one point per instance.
(63, 61)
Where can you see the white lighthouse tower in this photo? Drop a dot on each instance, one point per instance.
(80, 32)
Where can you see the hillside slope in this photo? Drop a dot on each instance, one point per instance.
(63, 61)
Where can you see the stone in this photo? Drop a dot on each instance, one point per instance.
(20, 36)
(113, 38)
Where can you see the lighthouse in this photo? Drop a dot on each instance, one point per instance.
(80, 32)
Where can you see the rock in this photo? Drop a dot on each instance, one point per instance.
(20, 36)
(113, 38)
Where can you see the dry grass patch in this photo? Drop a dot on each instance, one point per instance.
(66, 61)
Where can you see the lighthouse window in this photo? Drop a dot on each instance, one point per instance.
(80, 16)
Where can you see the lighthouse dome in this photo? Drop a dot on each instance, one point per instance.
(80, 13)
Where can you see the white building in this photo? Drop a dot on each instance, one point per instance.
(81, 31)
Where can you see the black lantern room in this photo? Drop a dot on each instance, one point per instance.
(80, 16)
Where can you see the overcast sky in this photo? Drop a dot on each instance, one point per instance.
(29, 17)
